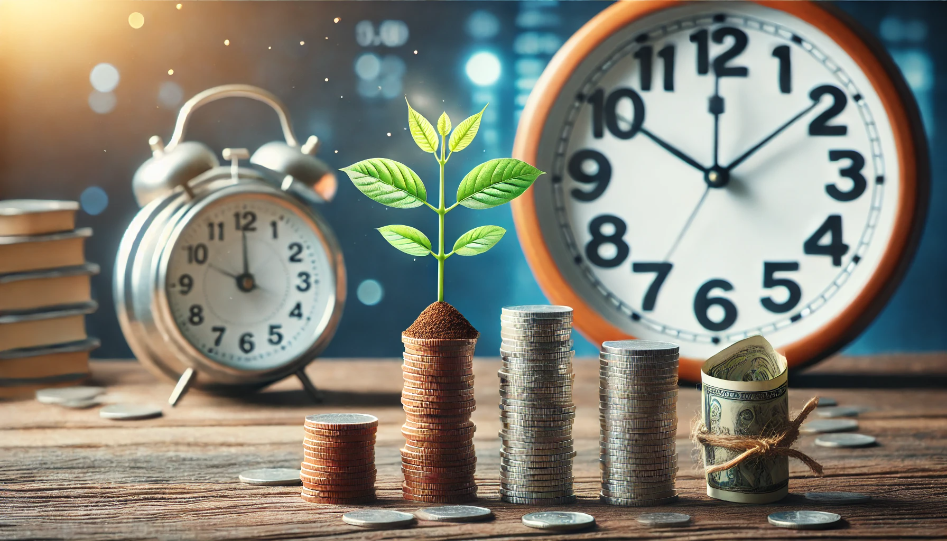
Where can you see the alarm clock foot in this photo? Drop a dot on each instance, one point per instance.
(187, 378)
(310, 388)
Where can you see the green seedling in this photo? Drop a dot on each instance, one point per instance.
(488, 185)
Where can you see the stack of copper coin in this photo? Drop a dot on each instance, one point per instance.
(438, 459)
(339, 462)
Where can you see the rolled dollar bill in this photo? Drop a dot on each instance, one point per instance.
(745, 393)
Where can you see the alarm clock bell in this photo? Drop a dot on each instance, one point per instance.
(178, 162)
(180, 187)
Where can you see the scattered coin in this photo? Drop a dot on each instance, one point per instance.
(128, 412)
(845, 440)
(271, 477)
(378, 519)
(58, 395)
(825, 402)
(455, 513)
(804, 520)
(560, 521)
(664, 519)
(841, 498)
(828, 425)
(80, 404)
(838, 411)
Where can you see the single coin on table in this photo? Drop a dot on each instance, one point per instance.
(838, 411)
(845, 440)
(455, 513)
(828, 425)
(80, 404)
(58, 395)
(804, 520)
(825, 402)
(664, 519)
(271, 477)
(379, 519)
(561, 521)
(128, 412)
(840, 498)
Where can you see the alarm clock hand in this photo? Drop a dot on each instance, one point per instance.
(246, 261)
(668, 147)
(769, 137)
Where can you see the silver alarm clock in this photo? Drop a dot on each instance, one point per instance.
(227, 275)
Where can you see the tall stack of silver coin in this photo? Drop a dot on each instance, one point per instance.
(536, 409)
(638, 413)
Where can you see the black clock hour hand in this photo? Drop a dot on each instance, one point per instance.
(668, 147)
(673, 150)
(715, 107)
(769, 137)
(222, 271)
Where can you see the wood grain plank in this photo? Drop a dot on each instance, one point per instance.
(69, 474)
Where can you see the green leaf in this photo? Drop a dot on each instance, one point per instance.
(478, 240)
(495, 182)
(388, 182)
(443, 124)
(407, 239)
(465, 132)
(422, 130)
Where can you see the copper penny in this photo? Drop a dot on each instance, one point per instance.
(440, 357)
(438, 454)
(344, 489)
(412, 371)
(439, 499)
(439, 342)
(338, 479)
(409, 402)
(336, 433)
(410, 475)
(417, 387)
(435, 492)
(315, 462)
(436, 444)
(438, 396)
(337, 501)
(421, 463)
(321, 471)
(340, 445)
(338, 494)
(339, 437)
(417, 472)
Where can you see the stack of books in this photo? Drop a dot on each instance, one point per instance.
(45, 294)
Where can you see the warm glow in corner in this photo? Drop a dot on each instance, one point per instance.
(170, 72)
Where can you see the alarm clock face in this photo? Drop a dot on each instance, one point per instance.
(248, 281)
(716, 172)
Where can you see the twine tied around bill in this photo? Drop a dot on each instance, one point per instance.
(779, 444)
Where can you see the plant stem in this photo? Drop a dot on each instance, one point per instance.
(441, 211)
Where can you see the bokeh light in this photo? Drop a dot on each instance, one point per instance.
(104, 77)
(170, 94)
(367, 66)
(94, 200)
(102, 102)
(483, 68)
(370, 292)
(136, 20)
(171, 72)
(482, 25)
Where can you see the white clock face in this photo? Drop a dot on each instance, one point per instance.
(717, 172)
(249, 283)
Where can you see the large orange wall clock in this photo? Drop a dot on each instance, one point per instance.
(720, 170)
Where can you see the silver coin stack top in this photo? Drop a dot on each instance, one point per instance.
(536, 409)
(638, 414)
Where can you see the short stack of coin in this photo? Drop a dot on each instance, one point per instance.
(638, 413)
(339, 458)
(438, 459)
(536, 409)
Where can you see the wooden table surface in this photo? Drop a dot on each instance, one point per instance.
(69, 474)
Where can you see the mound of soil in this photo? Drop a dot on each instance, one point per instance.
(442, 321)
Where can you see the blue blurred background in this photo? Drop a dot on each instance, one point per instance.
(83, 89)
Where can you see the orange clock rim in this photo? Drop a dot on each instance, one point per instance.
(899, 107)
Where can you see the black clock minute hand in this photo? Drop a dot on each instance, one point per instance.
(246, 262)
(769, 137)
